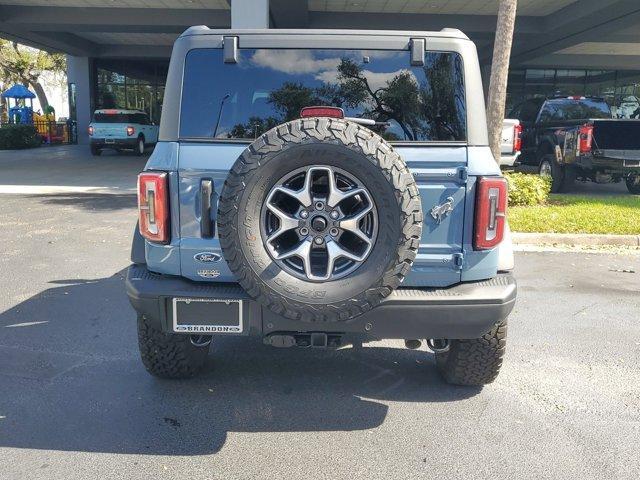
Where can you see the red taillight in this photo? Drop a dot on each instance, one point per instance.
(130, 130)
(585, 138)
(333, 112)
(90, 129)
(153, 206)
(491, 212)
(517, 138)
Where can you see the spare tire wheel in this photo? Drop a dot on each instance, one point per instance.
(320, 219)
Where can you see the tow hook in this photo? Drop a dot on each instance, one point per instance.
(438, 345)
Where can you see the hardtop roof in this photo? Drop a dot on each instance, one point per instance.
(444, 33)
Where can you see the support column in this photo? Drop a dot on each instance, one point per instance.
(249, 13)
(79, 80)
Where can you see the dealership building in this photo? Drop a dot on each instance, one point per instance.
(118, 50)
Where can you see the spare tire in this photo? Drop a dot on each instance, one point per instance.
(319, 219)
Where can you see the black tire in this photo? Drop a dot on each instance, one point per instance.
(335, 143)
(139, 149)
(168, 355)
(476, 361)
(548, 164)
(95, 151)
(633, 184)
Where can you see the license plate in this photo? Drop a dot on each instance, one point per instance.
(205, 315)
(109, 140)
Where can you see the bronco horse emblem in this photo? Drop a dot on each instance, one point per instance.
(439, 212)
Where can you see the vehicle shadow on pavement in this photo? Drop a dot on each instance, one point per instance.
(71, 380)
(91, 201)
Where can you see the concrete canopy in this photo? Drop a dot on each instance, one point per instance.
(584, 33)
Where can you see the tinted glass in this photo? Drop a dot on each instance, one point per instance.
(268, 87)
(140, 118)
(529, 110)
(114, 118)
(515, 113)
(569, 109)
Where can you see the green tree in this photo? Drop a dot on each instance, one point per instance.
(441, 97)
(397, 100)
(22, 64)
(289, 99)
(253, 128)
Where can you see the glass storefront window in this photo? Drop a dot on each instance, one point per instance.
(627, 95)
(131, 85)
(515, 88)
(620, 89)
(570, 82)
(540, 82)
(602, 83)
(140, 85)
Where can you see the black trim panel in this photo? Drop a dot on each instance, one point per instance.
(466, 310)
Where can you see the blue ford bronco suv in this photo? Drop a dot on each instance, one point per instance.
(323, 188)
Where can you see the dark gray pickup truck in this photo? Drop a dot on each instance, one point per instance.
(575, 138)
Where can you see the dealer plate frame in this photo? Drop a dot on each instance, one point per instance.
(205, 329)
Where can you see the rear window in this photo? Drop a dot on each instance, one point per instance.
(138, 118)
(268, 87)
(574, 109)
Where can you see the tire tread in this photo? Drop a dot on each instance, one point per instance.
(352, 136)
(168, 355)
(476, 361)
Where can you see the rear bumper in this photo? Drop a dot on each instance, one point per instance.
(509, 160)
(620, 162)
(114, 142)
(467, 310)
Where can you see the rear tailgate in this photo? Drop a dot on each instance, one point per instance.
(109, 130)
(616, 134)
(440, 173)
(506, 142)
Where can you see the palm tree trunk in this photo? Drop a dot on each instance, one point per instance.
(499, 73)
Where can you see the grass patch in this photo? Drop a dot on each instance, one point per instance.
(579, 214)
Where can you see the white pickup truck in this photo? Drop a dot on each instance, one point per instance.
(511, 142)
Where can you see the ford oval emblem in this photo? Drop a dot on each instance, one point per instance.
(207, 257)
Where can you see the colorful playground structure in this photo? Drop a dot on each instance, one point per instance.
(49, 129)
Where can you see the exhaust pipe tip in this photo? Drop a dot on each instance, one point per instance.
(438, 345)
(413, 343)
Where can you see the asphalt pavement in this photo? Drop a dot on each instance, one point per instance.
(76, 403)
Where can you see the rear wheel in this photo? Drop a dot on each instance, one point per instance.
(633, 184)
(476, 361)
(170, 355)
(550, 168)
(140, 146)
(95, 151)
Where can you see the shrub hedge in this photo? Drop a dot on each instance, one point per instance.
(13, 137)
(526, 189)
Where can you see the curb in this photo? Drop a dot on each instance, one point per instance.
(587, 239)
